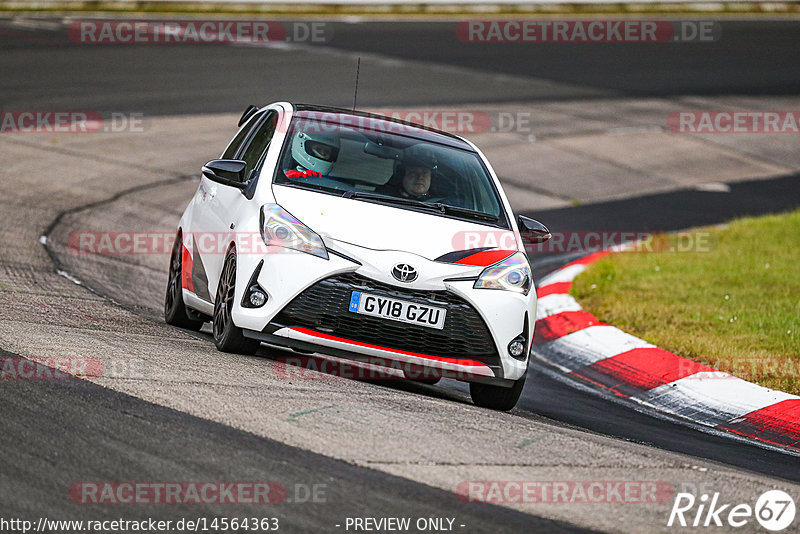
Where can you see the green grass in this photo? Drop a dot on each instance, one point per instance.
(732, 303)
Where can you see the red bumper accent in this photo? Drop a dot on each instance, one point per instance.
(455, 361)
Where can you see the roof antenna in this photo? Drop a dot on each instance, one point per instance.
(355, 96)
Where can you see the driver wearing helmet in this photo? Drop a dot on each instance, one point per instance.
(314, 153)
(412, 178)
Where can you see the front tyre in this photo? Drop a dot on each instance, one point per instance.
(497, 397)
(227, 336)
(174, 308)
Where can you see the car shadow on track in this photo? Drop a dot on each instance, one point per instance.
(289, 364)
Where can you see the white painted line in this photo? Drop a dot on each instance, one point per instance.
(69, 277)
(714, 187)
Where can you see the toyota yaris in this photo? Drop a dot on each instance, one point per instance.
(354, 235)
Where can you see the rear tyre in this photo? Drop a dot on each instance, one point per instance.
(227, 336)
(175, 312)
(497, 397)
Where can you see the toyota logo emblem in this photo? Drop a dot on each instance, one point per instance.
(404, 272)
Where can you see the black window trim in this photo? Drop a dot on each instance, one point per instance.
(256, 125)
(259, 121)
(249, 126)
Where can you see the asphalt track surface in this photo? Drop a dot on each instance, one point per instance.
(680, 210)
(753, 58)
(84, 417)
(52, 73)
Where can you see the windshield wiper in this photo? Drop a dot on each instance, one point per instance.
(466, 212)
(433, 206)
(394, 200)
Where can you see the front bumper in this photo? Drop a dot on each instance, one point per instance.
(307, 340)
(307, 309)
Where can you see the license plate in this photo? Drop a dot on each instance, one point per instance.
(397, 310)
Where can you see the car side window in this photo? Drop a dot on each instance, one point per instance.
(258, 142)
(235, 145)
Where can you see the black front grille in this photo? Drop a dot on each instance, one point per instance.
(324, 307)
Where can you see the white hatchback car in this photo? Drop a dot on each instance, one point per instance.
(354, 235)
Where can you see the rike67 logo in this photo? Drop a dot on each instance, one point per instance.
(774, 510)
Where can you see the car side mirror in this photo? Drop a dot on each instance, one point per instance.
(226, 172)
(532, 230)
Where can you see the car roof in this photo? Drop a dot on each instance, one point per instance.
(410, 129)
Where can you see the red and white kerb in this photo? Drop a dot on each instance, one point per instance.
(577, 343)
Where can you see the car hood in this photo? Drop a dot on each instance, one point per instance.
(381, 227)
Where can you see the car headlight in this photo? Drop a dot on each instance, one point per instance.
(280, 228)
(511, 274)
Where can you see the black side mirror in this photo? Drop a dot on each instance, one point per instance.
(532, 230)
(226, 172)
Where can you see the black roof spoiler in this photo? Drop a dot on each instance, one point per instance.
(251, 109)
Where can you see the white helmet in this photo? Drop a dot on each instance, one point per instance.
(315, 151)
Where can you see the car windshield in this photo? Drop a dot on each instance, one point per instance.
(382, 164)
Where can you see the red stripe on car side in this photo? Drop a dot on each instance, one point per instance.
(560, 324)
(486, 257)
(309, 332)
(640, 369)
